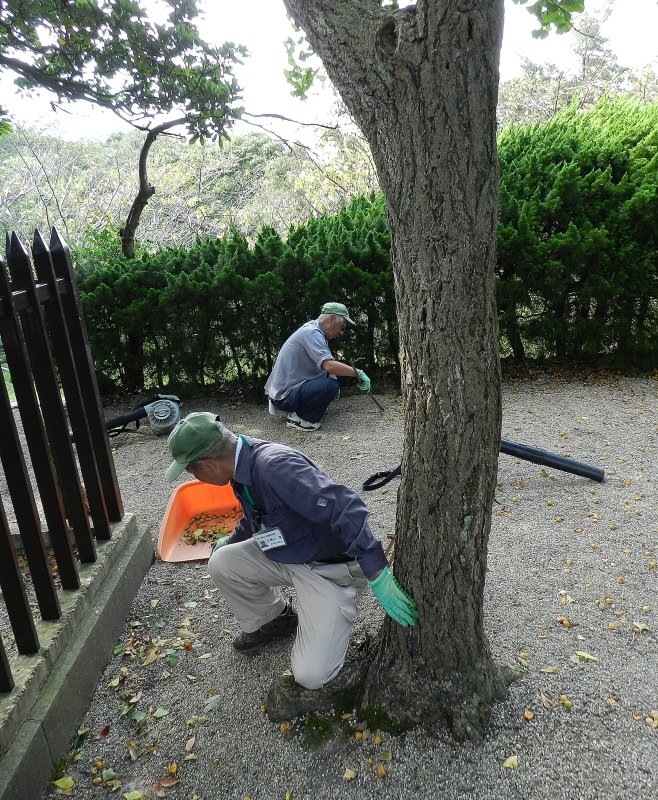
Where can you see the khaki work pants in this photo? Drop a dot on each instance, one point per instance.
(327, 596)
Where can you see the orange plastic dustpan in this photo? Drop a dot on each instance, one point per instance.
(188, 500)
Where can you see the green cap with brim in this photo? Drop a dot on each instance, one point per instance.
(190, 439)
(336, 308)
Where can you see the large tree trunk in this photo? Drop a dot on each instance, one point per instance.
(422, 83)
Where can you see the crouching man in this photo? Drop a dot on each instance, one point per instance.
(299, 529)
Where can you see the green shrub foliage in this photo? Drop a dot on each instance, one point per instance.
(576, 271)
(578, 235)
(220, 310)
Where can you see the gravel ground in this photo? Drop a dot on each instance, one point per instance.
(559, 544)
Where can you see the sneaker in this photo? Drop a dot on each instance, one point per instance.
(284, 624)
(292, 417)
(303, 425)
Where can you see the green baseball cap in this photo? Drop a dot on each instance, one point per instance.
(190, 439)
(336, 308)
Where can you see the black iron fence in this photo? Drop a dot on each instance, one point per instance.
(47, 351)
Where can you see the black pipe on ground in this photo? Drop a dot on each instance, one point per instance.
(522, 451)
(537, 456)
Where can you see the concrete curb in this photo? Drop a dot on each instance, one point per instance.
(54, 687)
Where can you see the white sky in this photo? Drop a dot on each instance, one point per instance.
(262, 26)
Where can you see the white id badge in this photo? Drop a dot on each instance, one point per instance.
(270, 538)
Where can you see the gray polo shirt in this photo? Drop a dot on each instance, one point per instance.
(299, 360)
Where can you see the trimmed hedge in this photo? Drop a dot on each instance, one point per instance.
(576, 273)
(220, 310)
(578, 235)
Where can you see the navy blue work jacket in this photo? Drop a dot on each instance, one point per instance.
(319, 518)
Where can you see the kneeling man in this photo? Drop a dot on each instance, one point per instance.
(299, 529)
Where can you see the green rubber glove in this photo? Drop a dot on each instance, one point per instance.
(397, 603)
(363, 382)
(219, 543)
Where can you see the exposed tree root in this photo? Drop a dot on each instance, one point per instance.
(421, 697)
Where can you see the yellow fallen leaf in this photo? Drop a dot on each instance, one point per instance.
(585, 656)
(64, 783)
(190, 744)
(639, 628)
(545, 701)
(511, 763)
(284, 726)
(154, 603)
(349, 775)
(205, 655)
(151, 656)
(528, 714)
(551, 670)
(381, 771)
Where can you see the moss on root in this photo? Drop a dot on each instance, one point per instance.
(317, 731)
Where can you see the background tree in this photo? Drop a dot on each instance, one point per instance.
(251, 181)
(110, 54)
(542, 90)
(422, 82)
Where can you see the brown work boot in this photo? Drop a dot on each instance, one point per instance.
(284, 624)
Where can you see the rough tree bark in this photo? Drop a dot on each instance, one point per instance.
(422, 83)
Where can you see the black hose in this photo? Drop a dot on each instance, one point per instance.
(118, 424)
(537, 456)
(522, 451)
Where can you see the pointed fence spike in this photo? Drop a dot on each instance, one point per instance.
(56, 241)
(17, 248)
(7, 244)
(18, 251)
(38, 244)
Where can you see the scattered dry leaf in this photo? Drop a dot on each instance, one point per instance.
(639, 628)
(349, 775)
(511, 763)
(528, 714)
(64, 783)
(585, 656)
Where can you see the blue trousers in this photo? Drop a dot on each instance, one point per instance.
(311, 399)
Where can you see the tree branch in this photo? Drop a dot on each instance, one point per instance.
(294, 121)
